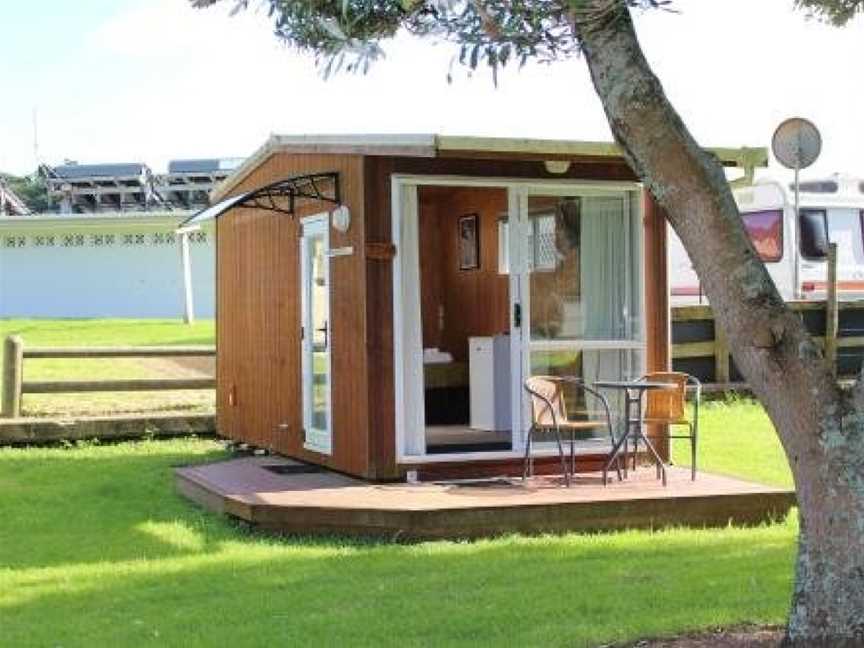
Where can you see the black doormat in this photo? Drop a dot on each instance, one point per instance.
(293, 469)
(491, 482)
(452, 448)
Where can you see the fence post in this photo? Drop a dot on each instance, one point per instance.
(13, 373)
(831, 310)
(721, 355)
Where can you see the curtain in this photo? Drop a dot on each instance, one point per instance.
(604, 275)
(609, 271)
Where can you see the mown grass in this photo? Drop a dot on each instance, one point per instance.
(736, 438)
(97, 549)
(109, 332)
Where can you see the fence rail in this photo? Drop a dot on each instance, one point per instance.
(120, 352)
(14, 386)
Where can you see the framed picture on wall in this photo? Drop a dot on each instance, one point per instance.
(469, 242)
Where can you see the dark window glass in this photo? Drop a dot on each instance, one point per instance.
(817, 186)
(814, 234)
(766, 231)
(861, 215)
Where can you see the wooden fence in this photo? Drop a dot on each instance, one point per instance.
(699, 347)
(15, 353)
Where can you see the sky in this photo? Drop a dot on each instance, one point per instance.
(154, 80)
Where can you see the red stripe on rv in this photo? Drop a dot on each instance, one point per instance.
(813, 286)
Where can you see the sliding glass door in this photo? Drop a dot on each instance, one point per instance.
(581, 287)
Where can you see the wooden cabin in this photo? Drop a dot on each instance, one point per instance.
(380, 299)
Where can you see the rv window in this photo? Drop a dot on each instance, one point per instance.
(861, 216)
(819, 186)
(766, 231)
(814, 234)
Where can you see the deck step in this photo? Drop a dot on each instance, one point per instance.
(324, 502)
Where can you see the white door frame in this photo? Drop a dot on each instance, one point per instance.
(320, 441)
(407, 349)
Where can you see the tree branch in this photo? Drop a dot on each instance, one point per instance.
(770, 345)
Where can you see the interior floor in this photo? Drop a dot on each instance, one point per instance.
(461, 438)
(441, 439)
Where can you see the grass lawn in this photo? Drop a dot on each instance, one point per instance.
(97, 549)
(736, 438)
(112, 332)
(108, 332)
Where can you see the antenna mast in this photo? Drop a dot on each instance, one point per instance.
(36, 136)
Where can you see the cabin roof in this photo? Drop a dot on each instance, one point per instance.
(432, 146)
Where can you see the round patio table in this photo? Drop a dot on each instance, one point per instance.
(634, 423)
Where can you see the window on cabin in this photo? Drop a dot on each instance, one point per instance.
(814, 234)
(765, 229)
(542, 255)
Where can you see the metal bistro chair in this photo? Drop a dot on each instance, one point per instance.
(549, 413)
(668, 407)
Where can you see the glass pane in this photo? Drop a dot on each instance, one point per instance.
(584, 262)
(589, 366)
(319, 313)
(766, 231)
(814, 234)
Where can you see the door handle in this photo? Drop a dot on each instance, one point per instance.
(324, 329)
(517, 315)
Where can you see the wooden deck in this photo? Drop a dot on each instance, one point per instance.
(323, 502)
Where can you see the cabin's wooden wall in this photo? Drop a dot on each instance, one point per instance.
(258, 322)
(474, 302)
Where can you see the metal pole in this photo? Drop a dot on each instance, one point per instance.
(186, 267)
(796, 274)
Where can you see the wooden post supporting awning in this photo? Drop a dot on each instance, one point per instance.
(282, 196)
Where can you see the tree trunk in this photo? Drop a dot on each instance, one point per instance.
(820, 426)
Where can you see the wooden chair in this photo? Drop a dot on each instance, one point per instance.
(549, 414)
(668, 407)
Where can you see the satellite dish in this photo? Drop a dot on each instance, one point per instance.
(796, 143)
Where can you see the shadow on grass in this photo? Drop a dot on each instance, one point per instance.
(94, 502)
(97, 549)
(512, 592)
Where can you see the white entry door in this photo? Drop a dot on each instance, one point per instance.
(316, 342)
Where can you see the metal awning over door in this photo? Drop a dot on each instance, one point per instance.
(283, 196)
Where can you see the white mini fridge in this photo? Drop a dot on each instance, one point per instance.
(489, 381)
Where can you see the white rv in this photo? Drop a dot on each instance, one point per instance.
(831, 210)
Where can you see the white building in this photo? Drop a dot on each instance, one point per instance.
(121, 264)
